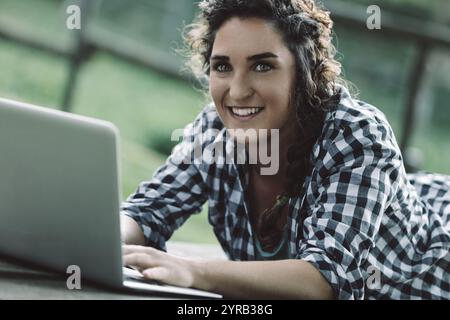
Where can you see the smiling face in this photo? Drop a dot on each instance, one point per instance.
(252, 76)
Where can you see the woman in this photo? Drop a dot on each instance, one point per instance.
(339, 219)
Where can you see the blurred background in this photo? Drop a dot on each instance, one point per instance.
(122, 66)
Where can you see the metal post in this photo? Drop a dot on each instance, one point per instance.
(82, 50)
(415, 89)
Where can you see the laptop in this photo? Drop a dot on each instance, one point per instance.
(60, 196)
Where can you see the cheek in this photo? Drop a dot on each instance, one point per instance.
(216, 90)
(276, 96)
(280, 111)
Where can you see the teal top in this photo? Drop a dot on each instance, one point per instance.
(281, 252)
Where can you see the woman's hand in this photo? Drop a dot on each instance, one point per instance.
(161, 266)
(283, 279)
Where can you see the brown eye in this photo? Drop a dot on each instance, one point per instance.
(262, 67)
(222, 67)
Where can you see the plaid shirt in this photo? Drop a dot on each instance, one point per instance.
(372, 231)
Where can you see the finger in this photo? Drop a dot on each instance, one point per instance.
(127, 249)
(139, 260)
(157, 273)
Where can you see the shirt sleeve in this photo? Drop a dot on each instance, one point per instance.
(176, 190)
(356, 178)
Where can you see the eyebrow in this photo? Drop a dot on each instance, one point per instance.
(259, 56)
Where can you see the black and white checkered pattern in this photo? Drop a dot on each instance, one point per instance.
(358, 217)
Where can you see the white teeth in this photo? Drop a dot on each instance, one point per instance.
(245, 111)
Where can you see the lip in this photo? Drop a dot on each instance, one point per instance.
(243, 118)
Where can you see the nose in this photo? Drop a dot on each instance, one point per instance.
(240, 88)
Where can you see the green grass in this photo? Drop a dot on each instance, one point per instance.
(43, 20)
(29, 75)
(384, 86)
(139, 102)
(147, 106)
(143, 104)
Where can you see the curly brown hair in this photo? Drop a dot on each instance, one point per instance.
(307, 31)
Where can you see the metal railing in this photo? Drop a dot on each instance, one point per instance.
(424, 34)
(426, 37)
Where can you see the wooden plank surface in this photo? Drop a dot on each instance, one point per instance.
(19, 281)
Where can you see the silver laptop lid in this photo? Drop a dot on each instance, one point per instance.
(59, 191)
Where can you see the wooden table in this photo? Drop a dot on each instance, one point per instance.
(20, 281)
